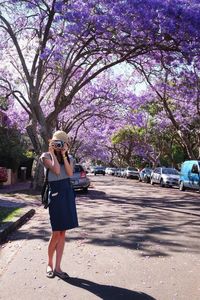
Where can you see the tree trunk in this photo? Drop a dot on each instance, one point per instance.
(40, 145)
(38, 178)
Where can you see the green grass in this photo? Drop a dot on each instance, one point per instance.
(8, 213)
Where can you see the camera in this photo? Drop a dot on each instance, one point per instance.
(57, 144)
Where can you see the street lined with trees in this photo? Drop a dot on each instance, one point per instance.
(59, 62)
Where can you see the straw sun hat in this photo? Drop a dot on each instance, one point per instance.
(60, 135)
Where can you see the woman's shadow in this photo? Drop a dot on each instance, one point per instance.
(108, 292)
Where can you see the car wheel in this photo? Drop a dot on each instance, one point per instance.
(152, 183)
(162, 183)
(181, 186)
(85, 189)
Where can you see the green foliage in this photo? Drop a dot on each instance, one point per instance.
(153, 108)
(29, 154)
(119, 136)
(11, 148)
(123, 142)
(164, 142)
(127, 133)
(178, 155)
(8, 213)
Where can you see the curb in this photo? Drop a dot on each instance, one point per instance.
(12, 226)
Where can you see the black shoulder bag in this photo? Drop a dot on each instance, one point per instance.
(45, 191)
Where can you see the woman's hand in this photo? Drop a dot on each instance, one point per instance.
(68, 167)
(64, 149)
(52, 163)
(51, 148)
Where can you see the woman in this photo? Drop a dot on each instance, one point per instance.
(62, 207)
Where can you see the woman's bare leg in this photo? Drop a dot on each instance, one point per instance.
(59, 250)
(52, 247)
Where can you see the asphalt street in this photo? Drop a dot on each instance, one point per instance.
(135, 241)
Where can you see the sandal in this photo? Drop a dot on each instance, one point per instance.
(61, 275)
(49, 273)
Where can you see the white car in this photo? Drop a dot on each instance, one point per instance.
(165, 176)
(107, 170)
(130, 172)
(111, 171)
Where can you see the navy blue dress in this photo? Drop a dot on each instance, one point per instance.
(62, 207)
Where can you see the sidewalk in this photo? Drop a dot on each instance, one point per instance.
(7, 199)
(19, 186)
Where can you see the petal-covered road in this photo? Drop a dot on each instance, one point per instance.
(135, 241)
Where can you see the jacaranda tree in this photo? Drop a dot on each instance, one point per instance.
(52, 49)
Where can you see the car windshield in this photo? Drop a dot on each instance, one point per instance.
(148, 170)
(132, 169)
(78, 168)
(170, 171)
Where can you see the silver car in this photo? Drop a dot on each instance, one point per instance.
(131, 173)
(79, 179)
(165, 177)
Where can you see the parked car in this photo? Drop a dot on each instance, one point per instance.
(91, 169)
(79, 179)
(145, 175)
(121, 172)
(130, 172)
(165, 176)
(190, 175)
(107, 170)
(3, 175)
(110, 171)
(117, 172)
(99, 170)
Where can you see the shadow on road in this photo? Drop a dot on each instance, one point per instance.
(159, 225)
(188, 202)
(153, 226)
(108, 292)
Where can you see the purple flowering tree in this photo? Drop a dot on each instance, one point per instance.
(51, 49)
(174, 89)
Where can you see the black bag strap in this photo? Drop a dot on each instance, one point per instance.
(46, 176)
